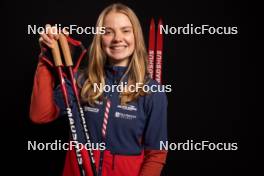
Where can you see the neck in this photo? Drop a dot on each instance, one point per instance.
(122, 63)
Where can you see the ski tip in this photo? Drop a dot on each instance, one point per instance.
(152, 22)
(160, 21)
(152, 28)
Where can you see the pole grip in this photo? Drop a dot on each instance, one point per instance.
(65, 50)
(56, 54)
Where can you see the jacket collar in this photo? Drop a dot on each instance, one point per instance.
(114, 73)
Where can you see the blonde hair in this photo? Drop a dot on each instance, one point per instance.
(137, 67)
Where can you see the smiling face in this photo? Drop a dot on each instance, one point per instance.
(118, 42)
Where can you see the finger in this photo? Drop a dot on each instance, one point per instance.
(50, 45)
(51, 31)
(46, 39)
(43, 42)
(47, 27)
(57, 35)
(40, 39)
(65, 32)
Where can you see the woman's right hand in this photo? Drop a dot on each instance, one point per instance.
(50, 35)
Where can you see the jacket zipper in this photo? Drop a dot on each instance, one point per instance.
(104, 139)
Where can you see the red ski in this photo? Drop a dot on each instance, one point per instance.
(159, 49)
(155, 51)
(151, 52)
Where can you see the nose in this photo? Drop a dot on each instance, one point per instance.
(117, 37)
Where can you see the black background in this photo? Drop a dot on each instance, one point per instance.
(212, 76)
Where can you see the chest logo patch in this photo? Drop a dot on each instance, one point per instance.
(128, 107)
(124, 116)
(91, 109)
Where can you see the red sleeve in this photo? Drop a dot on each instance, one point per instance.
(154, 161)
(43, 108)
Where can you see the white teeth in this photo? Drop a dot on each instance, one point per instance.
(117, 47)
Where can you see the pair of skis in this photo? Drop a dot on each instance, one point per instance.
(155, 51)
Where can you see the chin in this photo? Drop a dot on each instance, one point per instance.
(119, 57)
(119, 60)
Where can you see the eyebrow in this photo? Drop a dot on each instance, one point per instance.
(124, 27)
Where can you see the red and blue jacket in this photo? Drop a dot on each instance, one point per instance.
(133, 133)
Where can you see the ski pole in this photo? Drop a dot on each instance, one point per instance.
(68, 62)
(58, 63)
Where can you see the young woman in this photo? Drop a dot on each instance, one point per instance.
(136, 122)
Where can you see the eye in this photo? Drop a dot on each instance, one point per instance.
(127, 31)
(108, 32)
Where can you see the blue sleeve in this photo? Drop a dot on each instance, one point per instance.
(156, 127)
